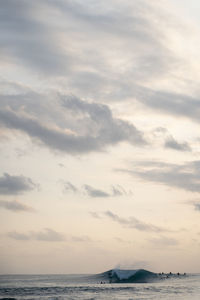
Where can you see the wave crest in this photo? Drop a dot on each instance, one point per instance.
(129, 276)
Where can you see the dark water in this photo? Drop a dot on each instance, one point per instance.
(60, 287)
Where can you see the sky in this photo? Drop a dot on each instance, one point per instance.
(99, 136)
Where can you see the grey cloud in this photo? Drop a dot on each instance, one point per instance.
(95, 215)
(95, 192)
(13, 185)
(133, 222)
(61, 165)
(175, 104)
(120, 240)
(18, 236)
(15, 206)
(91, 128)
(197, 206)
(163, 137)
(173, 144)
(164, 241)
(185, 176)
(130, 25)
(68, 186)
(167, 102)
(128, 29)
(118, 190)
(103, 125)
(26, 39)
(80, 239)
(124, 20)
(48, 235)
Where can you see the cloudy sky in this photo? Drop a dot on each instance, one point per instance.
(99, 135)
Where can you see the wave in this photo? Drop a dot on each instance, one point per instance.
(128, 276)
(134, 276)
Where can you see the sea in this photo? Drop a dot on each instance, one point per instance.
(100, 286)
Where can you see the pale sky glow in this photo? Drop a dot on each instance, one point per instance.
(99, 132)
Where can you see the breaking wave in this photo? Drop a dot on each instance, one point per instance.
(128, 276)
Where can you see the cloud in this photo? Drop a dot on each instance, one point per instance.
(197, 206)
(75, 126)
(130, 222)
(164, 241)
(172, 103)
(185, 176)
(134, 33)
(18, 236)
(27, 41)
(15, 206)
(68, 186)
(95, 215)
(102, 124)
(173, 144)
(133, 222)
(30, 39)
(14, 185)
(95, 193)
(120, 240)
(116, 190)
(80, 239)
(47, 235)
(72, 124)
(61, 165)
(163, 136)
(129, 26)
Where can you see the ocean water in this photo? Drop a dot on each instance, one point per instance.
(60, 287)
